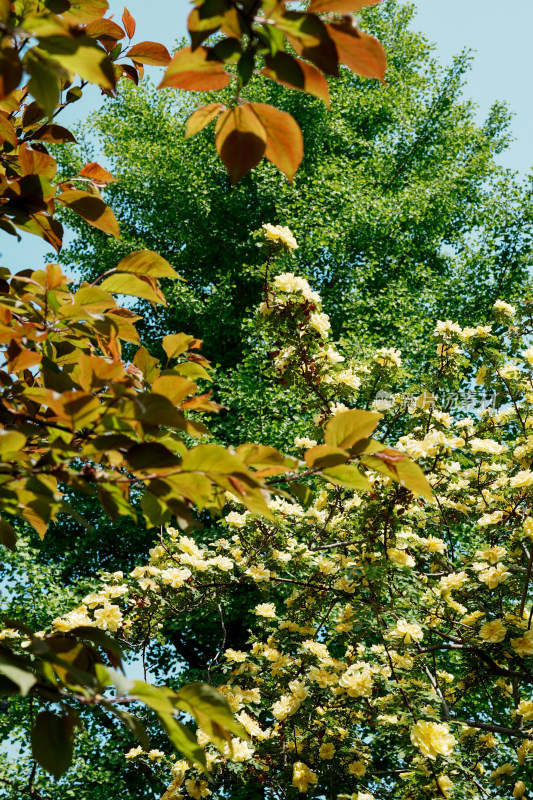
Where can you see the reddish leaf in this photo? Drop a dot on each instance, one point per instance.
(92, 209)
(96, 173)
(297, 74)
(195, 71)
(54, 133)
(129, 72)
(342, 6)
(151, 53)
(105, 29)
(285, 145)
(7, 131)
(46, 227)
(240, 140)
(201, 117)
(129, 23)
(360, 52)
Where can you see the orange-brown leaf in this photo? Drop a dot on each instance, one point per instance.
(105, 29)
(84, 11)
(297, 74)
(200, 118)
(151, 53)
(359, 51)
(342, 6)
(54, 133)
(96, 173)
(92, 209)
(195, 71)
(284, 144)
(241, 141)
(129, 23)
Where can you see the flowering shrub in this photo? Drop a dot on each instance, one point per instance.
(390, 635)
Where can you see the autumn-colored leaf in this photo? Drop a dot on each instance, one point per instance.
(146, 262)
(129, 23)
(310, 38)
(7, 131)
(284, 144)
(341, 6)
(96, 173)
(241, 141)
(200, 118)
(10, 71)
(177, 343)
(54, 133)
(151, 53)
(201, 26)
(84, 11)
(296, 74)
(195, 71)
(105, 29)
(359, 51)
(92, 209)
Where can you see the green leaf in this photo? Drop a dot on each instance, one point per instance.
(159, 698)
(302, 492)
(44, 82)
(22, 678)
(122, 283)
(150, 456)
(80, 55)
(348, 427)
(325, 455)
(211, 711)
(347, 475)
(51, 743)
(146, 262)
(8, 537)
(11, 442)
(183, 740)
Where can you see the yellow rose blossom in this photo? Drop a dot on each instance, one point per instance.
(266, 610)
(493, 631)
(523, 645)
(303, 777)
(407, 631)
(494, 576)
(326, 751)
(525, 709)
(281, 234)
(519, 790)
(433, 738)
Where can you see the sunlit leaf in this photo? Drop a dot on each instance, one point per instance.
(122, 283)
(348, 427)
(146, 262)
(358, 50)
(240, 140)
(129, 23)
(284, 144)
(151, 53)
(347, 475)
(202, 117)
(341, 6)
(195, 71)
(92, 209)
(296, 74)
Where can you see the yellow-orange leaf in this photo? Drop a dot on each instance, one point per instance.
(146, 262)
(151, 53)
(105, 29)
(85, 11)
(7, 131)
(343, 6)
(296, 74)
(241, 140)
(201, 117)
(360, 52)
(284, 145)
(96, 173)
(92, 209)
(195, 71)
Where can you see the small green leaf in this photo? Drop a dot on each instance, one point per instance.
(51, 742)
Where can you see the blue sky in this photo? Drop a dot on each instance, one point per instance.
(502, 70)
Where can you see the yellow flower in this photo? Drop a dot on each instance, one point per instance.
(357, 768)
(525, 709)
(432, 738)
(400, 557)
(281, 234)
(266, 610)
(522, 478)
(320, 322)
(388, 357)
(504, 308)
(486, 446)
(156, 755)
(493, 631)
(357, 680)
(407, 631)
(197, 789)
(445, 785)
(494, 576)
(302, 776)
(523, 645)
(134, 752)
(108, 618)
(326, 751)
(175, 578)
(519, 789)
(258, 573)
